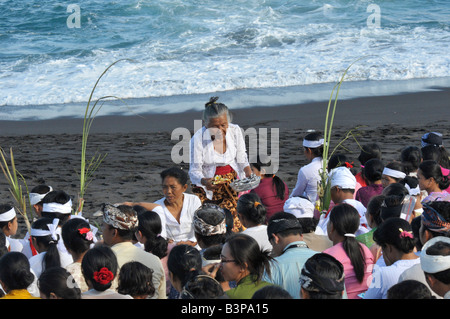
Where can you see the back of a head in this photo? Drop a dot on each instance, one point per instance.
(75, 235)
(150, 228)
(373, 170)
(135, 279)
(396, 232)
(411, 157)
(250, 206)
(369, 151)
(202, 287)
(435, 259)
(314, 142)
(57, 204)
(56, 280)
(436, 218)
(100, 267)
(182, 260)
(436, 153)
(374, 208)
(272, 292)
(15, 271)
(391, 207)
(284, 224)
(210, 225)
(322, 277)
(409, 289)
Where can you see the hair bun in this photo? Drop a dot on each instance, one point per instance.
(212, 100)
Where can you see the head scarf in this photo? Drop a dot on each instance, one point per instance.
(433, 221)
(205, 229)
(114, 217)
(299, 207)
(36, 197)
(310, 281)
(432, 138)
(434, 263)
(343, 178)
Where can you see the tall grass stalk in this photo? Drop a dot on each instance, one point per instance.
(88, 167)
(323, 203)
(14, 177)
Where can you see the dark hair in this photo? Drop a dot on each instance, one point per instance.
(51, 257)
(211, 215)
(150, 227)
(431, 169)
(202, 287)
(369, 151)
(440, 249)
(15, 271)
(135, 279)
(245, 250)
(59, 197)
(94, 260)
(73, 240)
(272, 292)
(309, 224)
(40, 189)
(213, 253)
(391, 207)
(416, 223)
(374, 208)
(3, 209)
(409, 289)
(3, 248)
(55, 280)
(411, 181)
(396, 189)
(411, 158)
(373, 170)
(277, 183)
(324, 268)
(436, 153)
(346, 220)
(181, 176)
(250, 206)
(273, 225)
(315, 136)
(184, 262)
(389, 233)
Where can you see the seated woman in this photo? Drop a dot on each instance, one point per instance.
(217, 151)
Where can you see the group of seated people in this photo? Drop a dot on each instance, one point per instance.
(384, 235)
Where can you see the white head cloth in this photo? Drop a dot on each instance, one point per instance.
(433, 264)
(58, 208)
(413, 191)
(299, 207)
(313, 144)
(393, 173)
(52, 230)
(36, 197)
(343, 178)
(7, 216)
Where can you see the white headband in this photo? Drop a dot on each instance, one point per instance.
(58, 208)
(432, 264)
(7, 216)
(393, 173)
(413, 191)
(313, 144)
(36, 197)
(52, 230)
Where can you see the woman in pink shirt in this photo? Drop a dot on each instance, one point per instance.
(356, 258)
(272, 191)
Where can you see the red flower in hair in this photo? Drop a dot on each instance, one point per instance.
(349, 165)
(88, 232)
(104, 276)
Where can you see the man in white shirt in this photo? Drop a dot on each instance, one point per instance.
(119, 225)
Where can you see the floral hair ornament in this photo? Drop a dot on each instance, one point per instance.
(89, 235)
(257, 204)
(405, 234)
(104, 276)
(349, 165)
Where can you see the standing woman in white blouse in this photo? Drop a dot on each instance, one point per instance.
(217, 151)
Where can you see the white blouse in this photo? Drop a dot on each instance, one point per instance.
(183, 230)
(203, 157)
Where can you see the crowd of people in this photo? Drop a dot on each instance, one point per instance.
(385, 234)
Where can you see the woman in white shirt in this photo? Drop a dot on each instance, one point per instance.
(217, 151)
(178, 206)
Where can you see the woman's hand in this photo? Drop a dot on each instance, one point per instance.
(209, 184)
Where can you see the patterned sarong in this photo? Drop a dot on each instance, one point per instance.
(224, 197)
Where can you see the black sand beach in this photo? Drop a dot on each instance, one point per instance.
(139, 147)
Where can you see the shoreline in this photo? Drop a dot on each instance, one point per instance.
(404, 108)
